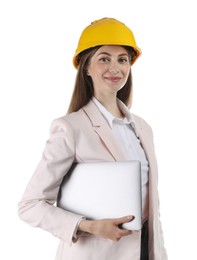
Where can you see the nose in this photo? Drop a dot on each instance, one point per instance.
(113, 68)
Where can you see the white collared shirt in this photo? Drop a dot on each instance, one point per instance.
(125, 132)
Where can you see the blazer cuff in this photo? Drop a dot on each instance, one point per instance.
(76, 233)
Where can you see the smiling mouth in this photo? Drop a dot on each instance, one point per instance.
(114, 79)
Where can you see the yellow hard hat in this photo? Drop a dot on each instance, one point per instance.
(106, 31)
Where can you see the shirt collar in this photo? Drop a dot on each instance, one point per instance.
(129, 119)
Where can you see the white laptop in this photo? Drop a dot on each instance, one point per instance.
(104, 190)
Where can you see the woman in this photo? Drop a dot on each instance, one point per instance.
(98, 127)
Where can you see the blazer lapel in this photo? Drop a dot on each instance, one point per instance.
(102, 128)
(146, 141)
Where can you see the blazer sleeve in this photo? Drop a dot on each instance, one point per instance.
(37, 205)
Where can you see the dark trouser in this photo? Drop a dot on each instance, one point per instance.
(144, 242)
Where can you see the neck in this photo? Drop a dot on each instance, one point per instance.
(110, 103)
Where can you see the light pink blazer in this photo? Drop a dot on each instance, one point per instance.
(85, 136)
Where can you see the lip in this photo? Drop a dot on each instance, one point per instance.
(114, 79)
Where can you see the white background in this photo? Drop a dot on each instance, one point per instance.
(38, 40)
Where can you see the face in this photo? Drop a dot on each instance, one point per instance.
(109, 69)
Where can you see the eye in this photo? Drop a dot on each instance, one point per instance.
(104, 59)
(123, 59)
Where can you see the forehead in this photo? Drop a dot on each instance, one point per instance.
(112, 49)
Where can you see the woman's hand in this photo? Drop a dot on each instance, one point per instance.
(106, 228)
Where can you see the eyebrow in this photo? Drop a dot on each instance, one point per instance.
(106, 53)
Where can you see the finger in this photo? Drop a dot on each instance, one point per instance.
(125, 232)
(122, 220)
(121, 233)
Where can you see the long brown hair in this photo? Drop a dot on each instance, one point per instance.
(83, 87)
